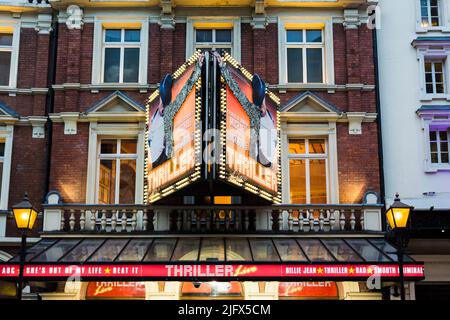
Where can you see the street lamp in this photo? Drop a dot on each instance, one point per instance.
(25, 217)
(397, 216)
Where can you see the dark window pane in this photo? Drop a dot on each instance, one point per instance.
(187, 250)
(2, 149)
(212, 250)
(295, 65)
(440, 88)
(367, 251)
(5, 67)
(57, 251)
(83, 250)
(112, 65)
(428, 66)
(313, 35)
(160, 250)
(223, 35)
(434, 158)
(444, 157)
(315, 250)
(263, 250)
(113, 35)
(135, 250)
(108, 146)
(289, 250)
(430, 88)
(433, 146)
(132, 35)
(341, 250)
(6, 39)
(203, 35)
(444, 146)
(109, 250)
(443, 135)
(314, 65)
(131, 65)
(438, 67)
(238, 250)
(433, 135)
(294, 35)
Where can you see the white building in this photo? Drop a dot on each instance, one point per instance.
(414, 82)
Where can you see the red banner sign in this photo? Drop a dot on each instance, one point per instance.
(213, 271)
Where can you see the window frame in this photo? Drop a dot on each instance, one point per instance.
(429, 16)
(114, 131)
(214, 45)
(427, 53)
(225, 22)
(433, 75)
(118, 156)
(444, 15)
(307, 157)
(122, 45)
(6, 136)
(291, 23)
(14, 29)
(312, 131)
(432, 121)
(438, 144)
(304, 46)
(101, 23)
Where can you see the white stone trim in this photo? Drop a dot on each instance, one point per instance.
(328, 56)
(15, 25)
(236, 45)
(97, 54)
(114, 130)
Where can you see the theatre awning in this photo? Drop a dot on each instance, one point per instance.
(193, 258)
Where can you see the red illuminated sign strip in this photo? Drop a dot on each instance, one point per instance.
(216, 271)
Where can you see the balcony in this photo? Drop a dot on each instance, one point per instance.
(139, 219)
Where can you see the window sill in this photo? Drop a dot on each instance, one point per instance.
(321, 87)
(432, 97)
(437, 168)
(95, 88)
(12, 91)
(420, 29)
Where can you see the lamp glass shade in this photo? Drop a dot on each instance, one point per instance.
(398, 217)
(25, 218)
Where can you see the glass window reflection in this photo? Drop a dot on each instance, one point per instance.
(83, 250)
(161, 250)
(315, 250)
(135, 250)
(263, 250)
(289, 250)
(55, 253)
(367, 250)
(109, 250)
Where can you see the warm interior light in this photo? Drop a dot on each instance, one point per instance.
(398, 217)
(24, 214)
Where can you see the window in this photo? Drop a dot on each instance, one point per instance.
(121, 55)
(308, 171)
(2, 160)
(429, 11)
(213, 39)
(439, 146)
(304, 56)
(117, 171)
(434, 77)
(6, 52)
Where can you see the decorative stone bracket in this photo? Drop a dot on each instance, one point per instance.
(70, 122)
(260, 20)
(355, 120)
(38, 124)
(44, 23)
(351, 19)
(167, 17)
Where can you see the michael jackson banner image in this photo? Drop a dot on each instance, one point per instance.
(252, 131)
(172, 132)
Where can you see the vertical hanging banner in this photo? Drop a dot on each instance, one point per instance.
(173, 135)
(250, 126)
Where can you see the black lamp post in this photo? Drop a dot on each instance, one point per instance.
(398, 216)
(25, 217)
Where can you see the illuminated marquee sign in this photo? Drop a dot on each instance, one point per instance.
(305, 290)
(131, 290)
(173, 135)
(250, 128)
(214, 271)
